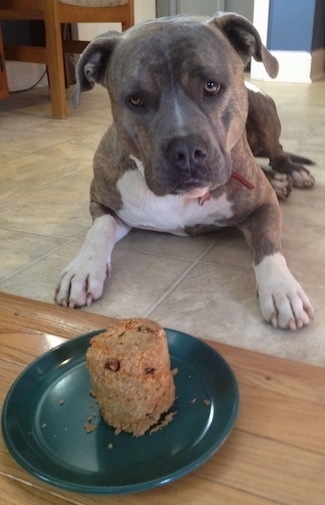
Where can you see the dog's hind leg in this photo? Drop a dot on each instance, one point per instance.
(82, 281)
(263, 132)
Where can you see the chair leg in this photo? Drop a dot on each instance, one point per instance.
(64, 35)
(55, 60)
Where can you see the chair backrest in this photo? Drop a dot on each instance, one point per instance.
(95, 3)
(96, 11)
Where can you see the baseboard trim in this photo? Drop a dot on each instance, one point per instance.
(22, 75)
(295, 66)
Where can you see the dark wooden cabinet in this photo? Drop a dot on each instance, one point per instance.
(3, 76)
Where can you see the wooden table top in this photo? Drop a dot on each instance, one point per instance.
(275, 454)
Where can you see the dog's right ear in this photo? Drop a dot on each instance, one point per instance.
(245, 39)
(92, 64)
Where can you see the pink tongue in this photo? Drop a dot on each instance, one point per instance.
(198, 193)
(204, 198)
(203, 194)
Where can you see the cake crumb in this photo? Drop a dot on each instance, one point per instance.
(207, 403)
(110, 446)
(193, 400)
(165, 419)
(90, 427)
(61, 402)
(174, 371)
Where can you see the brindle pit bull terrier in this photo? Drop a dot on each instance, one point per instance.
(176, 158)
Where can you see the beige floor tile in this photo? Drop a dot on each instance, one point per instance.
(166, 245)
(20, 249)
(61, 213)
(77, 180)
(138, 282)
(24, 175)
(303, 208)
(230, 250)
(211, 302)
(72, 149)
(39, 280)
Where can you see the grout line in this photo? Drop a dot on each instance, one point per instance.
(242, 268)
(36, 260)
(39, 234)
(40, 186)
(179, 279)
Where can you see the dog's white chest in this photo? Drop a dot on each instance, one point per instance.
(172, 213)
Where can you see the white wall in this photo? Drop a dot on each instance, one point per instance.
(22, 76)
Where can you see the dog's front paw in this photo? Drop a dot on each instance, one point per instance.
(283, 302)
(81, 283)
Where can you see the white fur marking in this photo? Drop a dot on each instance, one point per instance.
(253, 88)
(170, 213)
(180, 123)
(283, 302)
(82, 281)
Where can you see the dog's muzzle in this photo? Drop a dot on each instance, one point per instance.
(193, 164)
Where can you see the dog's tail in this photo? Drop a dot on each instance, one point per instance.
(294, 157)
(300, 159)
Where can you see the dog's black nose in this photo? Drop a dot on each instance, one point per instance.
(187, 153)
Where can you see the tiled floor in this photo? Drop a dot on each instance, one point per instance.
(204, 286)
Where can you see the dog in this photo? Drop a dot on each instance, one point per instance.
(176, 158)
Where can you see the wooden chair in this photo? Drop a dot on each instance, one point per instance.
(56, 13)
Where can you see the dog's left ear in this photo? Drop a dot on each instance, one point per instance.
(244, 37)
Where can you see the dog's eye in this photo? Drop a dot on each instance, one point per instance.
(211, 88)
(135, 101)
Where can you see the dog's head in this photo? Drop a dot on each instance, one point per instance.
(178, 97)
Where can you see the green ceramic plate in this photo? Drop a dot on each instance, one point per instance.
(46, 408)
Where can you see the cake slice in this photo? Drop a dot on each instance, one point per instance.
(129, 367)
